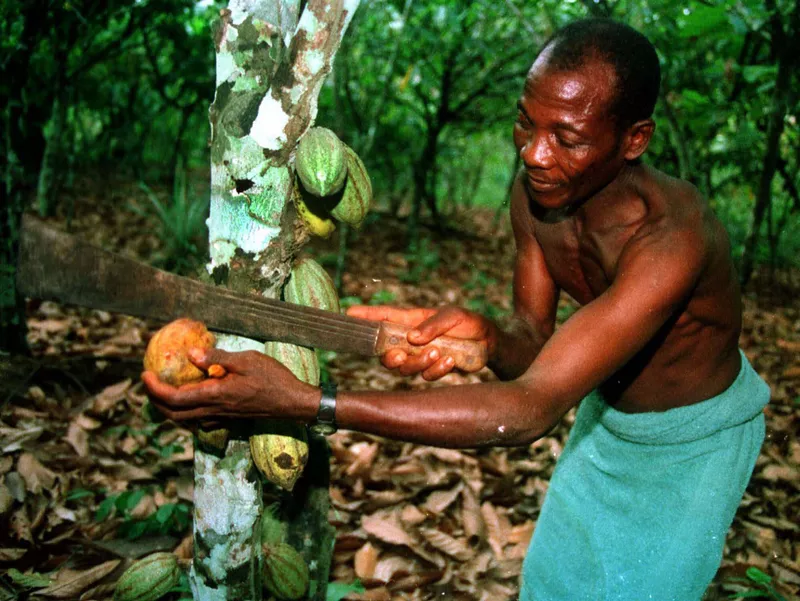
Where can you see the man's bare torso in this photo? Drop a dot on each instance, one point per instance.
(695, 355)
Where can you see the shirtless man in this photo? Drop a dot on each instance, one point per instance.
(671, 421)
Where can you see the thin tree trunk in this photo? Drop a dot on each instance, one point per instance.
(258, 115)
(764, 196)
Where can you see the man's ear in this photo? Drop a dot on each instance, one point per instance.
(638, 138)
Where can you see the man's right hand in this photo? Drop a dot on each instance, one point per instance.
(429, 324)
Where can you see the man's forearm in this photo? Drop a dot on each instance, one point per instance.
(492, 414)
(517, 344)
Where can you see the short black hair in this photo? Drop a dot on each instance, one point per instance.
(630, 53)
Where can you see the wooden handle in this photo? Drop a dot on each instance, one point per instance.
(468, 355)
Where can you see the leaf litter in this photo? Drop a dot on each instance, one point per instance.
(81, 470)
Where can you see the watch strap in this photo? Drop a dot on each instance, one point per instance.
(326, 414)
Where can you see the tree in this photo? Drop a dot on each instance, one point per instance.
(271, 62)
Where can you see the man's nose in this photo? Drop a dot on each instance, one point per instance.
(536, 153)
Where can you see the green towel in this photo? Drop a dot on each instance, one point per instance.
(640, 503)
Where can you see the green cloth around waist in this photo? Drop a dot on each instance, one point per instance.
(639, 504)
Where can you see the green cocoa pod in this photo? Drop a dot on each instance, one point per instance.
(310, 285)
(273, 528)
(285, 574)
(282, 453)
(301, 361)
(148, 579)
(320, 162)
(357, 195)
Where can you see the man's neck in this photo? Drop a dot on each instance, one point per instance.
(617, 191)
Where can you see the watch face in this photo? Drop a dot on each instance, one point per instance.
(323, 429)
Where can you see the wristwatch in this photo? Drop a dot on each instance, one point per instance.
(325, 423)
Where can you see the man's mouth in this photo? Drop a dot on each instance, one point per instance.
(541, 185)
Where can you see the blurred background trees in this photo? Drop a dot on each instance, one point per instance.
(424, 90)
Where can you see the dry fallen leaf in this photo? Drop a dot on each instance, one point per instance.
(68, 583)
(365, 560)
(36, 476)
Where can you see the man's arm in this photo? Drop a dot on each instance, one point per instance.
(522, 336)
(656, 275)
(512, 344)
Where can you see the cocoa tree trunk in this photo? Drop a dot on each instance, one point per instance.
(271, 63)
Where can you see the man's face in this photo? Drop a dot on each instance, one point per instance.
(569, 144)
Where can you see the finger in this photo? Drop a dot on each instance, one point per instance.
(206, 357)
(166, 396)
(419, 363)
(394, 358)
(183, 415)
(437, 325)
(407, 317)
(439, 369)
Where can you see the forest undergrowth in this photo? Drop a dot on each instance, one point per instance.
(87, 484)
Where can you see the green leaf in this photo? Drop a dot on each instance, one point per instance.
(702, 20)
(104, 509)
(756, 575)
(79, 493)
(754, 73)
(164, 513)
(339, 590)
(32, 580)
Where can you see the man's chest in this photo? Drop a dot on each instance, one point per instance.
(582, 261)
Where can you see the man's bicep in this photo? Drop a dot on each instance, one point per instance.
(601, 337)
(535, 292)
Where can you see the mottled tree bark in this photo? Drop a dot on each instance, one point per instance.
(271, 63)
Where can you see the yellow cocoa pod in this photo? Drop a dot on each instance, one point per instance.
(216, 439)
(148, 579)
(316, 221)
(282, 453)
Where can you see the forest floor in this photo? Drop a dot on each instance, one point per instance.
(87, 485)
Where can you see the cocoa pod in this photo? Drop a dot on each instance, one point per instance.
(285, 573)
(273, 528)
(314, 217)
(148, 579)
(301, 361)
(357, 195)
(310, 285)
(320, 162)
(216, 439)
(166, 353)
(282, 453)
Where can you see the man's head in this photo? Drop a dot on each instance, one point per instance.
(585, 109)
(630, 54)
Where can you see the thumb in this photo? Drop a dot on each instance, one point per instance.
(206, 357)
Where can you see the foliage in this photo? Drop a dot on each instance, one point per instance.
(758, 586)
(168, 518)
(427, 88)
(183, 228)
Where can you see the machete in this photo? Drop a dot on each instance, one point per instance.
(56, 266)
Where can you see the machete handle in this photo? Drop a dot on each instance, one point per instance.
(468, 355)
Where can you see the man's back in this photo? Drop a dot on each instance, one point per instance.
(694, 356)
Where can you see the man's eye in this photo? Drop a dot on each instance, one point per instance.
(522, 119)
(568, 143)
